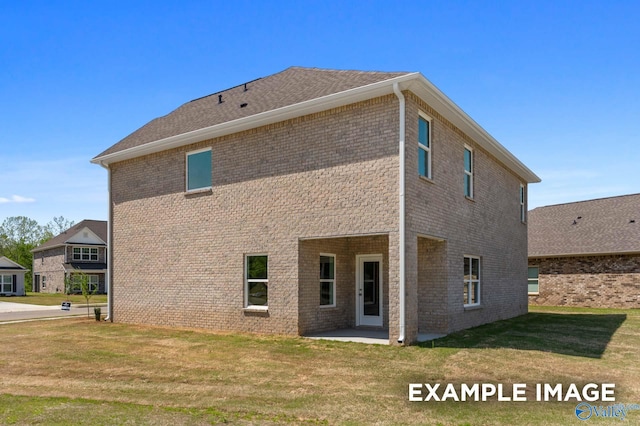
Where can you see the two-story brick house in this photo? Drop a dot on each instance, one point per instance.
(313, 200)
(81, 248)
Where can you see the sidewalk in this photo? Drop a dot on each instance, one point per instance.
(11, 312)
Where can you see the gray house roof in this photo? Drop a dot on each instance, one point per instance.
(601, 226)
(291, 86)
(291, 93)
(98, 227)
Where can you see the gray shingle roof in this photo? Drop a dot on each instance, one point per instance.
(98, 227)
(288, 87)
(602, 226)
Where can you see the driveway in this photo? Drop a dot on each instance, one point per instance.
(6, 307)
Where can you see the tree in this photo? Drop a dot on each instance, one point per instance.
(79, 282)
(58, 225)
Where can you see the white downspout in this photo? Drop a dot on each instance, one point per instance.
(107, 280)
(401, 214)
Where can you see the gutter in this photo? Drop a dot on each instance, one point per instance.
(401, 215)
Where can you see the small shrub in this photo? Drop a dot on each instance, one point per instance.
(97, 312)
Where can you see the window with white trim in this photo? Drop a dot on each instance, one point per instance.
(85, 253)
(256, 280)
(468, 172)
(532, 280)
(6, 283)
(327, 280)
(198, 169)
(523, 210)
(424, 146)
(471, 281)
(93, 282)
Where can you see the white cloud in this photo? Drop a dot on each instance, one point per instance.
(16, 199)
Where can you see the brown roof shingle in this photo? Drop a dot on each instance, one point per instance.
(601, 226)
(288, 87)
(98, 227)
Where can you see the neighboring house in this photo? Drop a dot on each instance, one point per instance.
(11, 278)
(313, 200)
(81, 248)
(586, 253)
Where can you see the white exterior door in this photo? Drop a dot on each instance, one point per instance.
(369, 290)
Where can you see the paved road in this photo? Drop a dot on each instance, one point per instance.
(10, 311)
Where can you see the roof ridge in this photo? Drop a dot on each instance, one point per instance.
(225, 90)
(296, 67)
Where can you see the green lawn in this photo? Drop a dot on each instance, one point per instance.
(80, 371)
(52, 299)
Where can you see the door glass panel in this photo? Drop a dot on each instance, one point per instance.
(371, 288)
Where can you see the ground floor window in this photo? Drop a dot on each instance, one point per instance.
(6, 283)
(327, 280)
(534, 286)
(256, 280)
(94, 282)
(471, 280)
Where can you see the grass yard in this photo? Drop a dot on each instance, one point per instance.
(79, 371)
(52, 299)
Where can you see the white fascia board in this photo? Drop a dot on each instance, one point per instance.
(264, 118)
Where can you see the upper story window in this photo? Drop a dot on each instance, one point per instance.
(85, 253)
(199, 169)
(468, 172)
(424, 146)
(471, 293)
(523, 204)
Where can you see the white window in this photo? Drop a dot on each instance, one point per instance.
(85, 253)
(327, 280)
(523, 209)
(198, 169)
(468, 172)
(424, 146)
(471, 280)
(534, 286)
(93, 282)
(6, 283)
(256, 280)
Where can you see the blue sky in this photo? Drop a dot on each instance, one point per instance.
(556, 82)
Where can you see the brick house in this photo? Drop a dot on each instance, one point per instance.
(313, 200)
(586, 253)
(11, 277)
(81, 248)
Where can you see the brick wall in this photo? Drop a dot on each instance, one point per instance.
(178, 259)
(591, 281)
(306, 186)
(313, 317)
(487, 226)
(48, 264)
